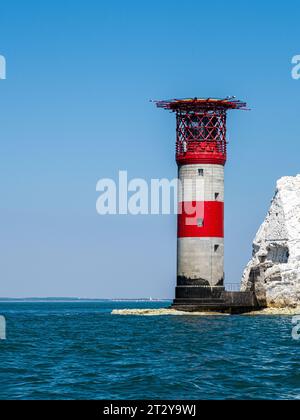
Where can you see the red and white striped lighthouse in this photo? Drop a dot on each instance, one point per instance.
(201, 156)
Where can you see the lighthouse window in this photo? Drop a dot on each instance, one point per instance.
(216, 248)
(217, 195)
(200, 172)
(200, 222)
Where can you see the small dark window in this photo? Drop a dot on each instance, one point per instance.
(216, 248)
(200, 172)
(217, 195)
(200, 222)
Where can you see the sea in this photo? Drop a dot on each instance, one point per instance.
(78, 350)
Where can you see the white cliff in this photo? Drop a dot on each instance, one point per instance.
(274, 270)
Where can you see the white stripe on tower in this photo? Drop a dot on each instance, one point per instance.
(201, 246)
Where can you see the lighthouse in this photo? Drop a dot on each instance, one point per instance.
(201, 153)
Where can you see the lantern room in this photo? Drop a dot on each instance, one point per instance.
(201, 128)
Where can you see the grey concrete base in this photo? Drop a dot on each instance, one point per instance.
(198, 292)
(200, 260)
(227, 302)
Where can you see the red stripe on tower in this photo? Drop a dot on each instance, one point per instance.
(201, 219)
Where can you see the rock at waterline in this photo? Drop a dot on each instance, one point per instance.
(160, 312)
(274, 270)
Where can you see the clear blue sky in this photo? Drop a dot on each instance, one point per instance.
(75, 108)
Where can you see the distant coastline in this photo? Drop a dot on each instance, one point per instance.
(75, 299)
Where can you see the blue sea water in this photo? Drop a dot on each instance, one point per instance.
(78, 350)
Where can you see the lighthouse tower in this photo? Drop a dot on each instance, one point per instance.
(201, 157)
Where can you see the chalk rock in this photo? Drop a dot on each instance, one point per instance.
(274, 270)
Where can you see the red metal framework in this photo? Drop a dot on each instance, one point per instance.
(201, 128)
(201, 137)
